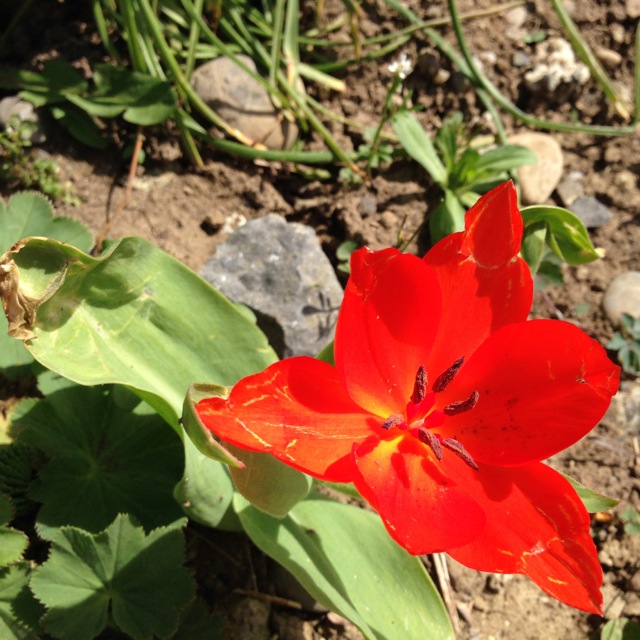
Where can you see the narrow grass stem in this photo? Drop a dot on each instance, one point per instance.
(481, 80)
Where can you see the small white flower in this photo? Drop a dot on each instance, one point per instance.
(401, 67)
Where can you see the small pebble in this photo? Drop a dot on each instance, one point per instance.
(388, 220)
(520, 59)
(623, 296)
(516, 17)
(617, 33)
(609, 57)
(368, 205)
(591, 211)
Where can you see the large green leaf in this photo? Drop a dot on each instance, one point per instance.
(135, 581)
(29, 214)
(104, 460)
(135, 316)
(138, 317)
(346, 560)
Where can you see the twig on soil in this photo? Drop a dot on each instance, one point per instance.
(127, 194)
(265, 597)
(440, 563)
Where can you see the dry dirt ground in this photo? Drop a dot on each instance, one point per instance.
(188, 213)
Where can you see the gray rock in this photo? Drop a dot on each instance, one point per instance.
(243, 102)
(570, 189)
(591, 211)
(13, 109)
(279, 270)
(520, 59)
(537, 181)
(623, 296)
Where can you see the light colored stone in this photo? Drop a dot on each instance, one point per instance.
(609, 57)
(633, 8)
(516, 17)
(243, 102)
(537, 181)
(279, 270)
(555, 64)
(623, 296)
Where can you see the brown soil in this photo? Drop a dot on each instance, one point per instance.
(189, 213)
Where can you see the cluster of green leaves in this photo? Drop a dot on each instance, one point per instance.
(76, 102)
(104, 480)
(460, 170)
(626, 343)
(20, 167)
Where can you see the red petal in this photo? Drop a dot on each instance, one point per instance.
(298, 411)
(543, 385)
(484, 284)
(536, 526)
(387, 324)
(424, 510)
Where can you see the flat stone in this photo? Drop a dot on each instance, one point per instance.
(243, 102)
(537, 181)
(591, 211)
(623, 296)
(279, 270)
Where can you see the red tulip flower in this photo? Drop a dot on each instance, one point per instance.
(442, 403)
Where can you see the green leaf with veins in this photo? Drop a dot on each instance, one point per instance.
(19, 611)
(120, 577)
(104, 461)
(12, 542)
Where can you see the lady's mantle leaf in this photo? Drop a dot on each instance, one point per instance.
(18, 610)
(104, 461)
(12, 542)
(119, 576)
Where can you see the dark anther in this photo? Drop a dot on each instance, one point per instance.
(460, 451)
(462, 405)
(425, 436)
(420, 386)
(393, 420)
(443, 380)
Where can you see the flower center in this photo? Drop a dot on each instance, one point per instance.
(421, 415)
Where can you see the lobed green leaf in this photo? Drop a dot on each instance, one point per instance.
(120, 576)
